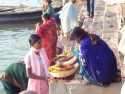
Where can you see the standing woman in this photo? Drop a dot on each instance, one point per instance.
(121, 47)
(36, 67)
(68, 17)
(48, 32)
(98, 63)
(47, 7)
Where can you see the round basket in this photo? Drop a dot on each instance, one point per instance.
(65, 73)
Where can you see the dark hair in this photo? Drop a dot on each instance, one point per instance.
(78, 33)
(73, 1)
(34, 38)
(46, 16)
(49, 1)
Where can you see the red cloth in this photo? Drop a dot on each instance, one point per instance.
(48, 32)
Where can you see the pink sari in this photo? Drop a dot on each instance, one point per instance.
(39, 67)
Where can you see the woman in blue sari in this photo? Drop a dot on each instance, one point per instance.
(98, 63)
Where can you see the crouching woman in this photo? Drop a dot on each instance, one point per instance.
(98, 62)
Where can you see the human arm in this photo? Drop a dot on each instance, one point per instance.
(4, 76)
(29, 71)
(37, 26)
(70, 62)
(85, 51)
(33, 76)
(85, 46)
(41, 30)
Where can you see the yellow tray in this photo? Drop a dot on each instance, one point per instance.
(65, 73)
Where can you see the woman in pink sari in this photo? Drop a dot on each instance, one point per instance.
(36, 67)
(48, 31)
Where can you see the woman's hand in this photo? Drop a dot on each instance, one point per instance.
(51, 78)
(34, 76)
(5, 76)
(2, 76)
(37, 25)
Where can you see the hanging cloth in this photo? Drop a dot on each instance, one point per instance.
(111, 2)
(121, 47)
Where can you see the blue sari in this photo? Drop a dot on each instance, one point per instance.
(98, 63)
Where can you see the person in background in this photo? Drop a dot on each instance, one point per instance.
(64, 2)
(97, 61)
(48, 32)
(36, 66)
(68, 17)
(47, 8)
(53, 12)
(14, 78)
(90, 8)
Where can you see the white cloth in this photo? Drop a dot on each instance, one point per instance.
(114, 1)
(123, 89)
(121, 47)
(124, 60)
(68, 16)
(63, 2)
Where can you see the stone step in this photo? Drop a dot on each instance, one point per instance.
(79, 87)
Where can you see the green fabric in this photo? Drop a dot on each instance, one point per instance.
(10, 88)
(18, 72)
(50, 10)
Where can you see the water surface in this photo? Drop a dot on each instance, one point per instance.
(13, 43)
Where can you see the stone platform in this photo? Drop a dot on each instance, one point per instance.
(79, 87)
(106, 24)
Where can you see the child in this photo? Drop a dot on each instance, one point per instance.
(36, 60)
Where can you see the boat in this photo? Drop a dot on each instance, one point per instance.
(21, 14)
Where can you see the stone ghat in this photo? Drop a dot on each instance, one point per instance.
(79, 87)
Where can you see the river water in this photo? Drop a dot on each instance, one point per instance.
(20, 2)
(33, 3)
(13, 43)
